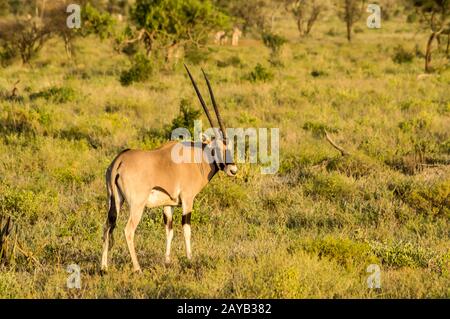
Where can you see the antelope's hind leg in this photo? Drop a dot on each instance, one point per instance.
(110, 224)
(168, 222)
(135, 217)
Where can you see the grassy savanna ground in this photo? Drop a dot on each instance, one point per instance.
(309, 231)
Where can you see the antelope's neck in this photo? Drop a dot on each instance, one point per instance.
(208, 170)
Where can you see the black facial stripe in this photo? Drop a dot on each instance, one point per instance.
(186, 219)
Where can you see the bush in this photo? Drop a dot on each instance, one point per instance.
(401, 55)
(20, 120)
(140, 71)
(332, 186)
(17, 203)
(355, 166)
(176, 21)
(196, 56)
(186, 118)
(7, 54)
(260, 73)
(317, 73)
(273, 41)
(411, 18)
(234, 61)
(318, 129)
(24, 36)
(56, 94)
(402, 255)
(431, 199)
(96, 22)
(344, 250)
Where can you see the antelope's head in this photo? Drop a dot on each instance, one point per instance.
(224, 160)
(223, 157)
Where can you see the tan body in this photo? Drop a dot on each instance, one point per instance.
(156, 178)
(162, 181)
(151, 179)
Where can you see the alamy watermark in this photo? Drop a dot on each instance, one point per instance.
(249, 145)
(74, 19)
(374, 20)
(374, 279)
(74, 279)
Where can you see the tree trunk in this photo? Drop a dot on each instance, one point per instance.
(300, 26)
(448, 43)
(68, 46)
(349, 31)
(428, 52)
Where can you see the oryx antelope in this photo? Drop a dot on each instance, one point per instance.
(153, 179)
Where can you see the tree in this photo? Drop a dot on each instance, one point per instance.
(275, 43)
(251, 14)
(351, 11)
(435, 15)
(4, 7)
(171, 23)
(23, 36)
(93, 21)
(305, 12)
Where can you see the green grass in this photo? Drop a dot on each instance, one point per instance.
(309, 231)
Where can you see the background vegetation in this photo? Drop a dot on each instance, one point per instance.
(310, 231)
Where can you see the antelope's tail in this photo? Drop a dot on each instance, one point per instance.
(115, 198)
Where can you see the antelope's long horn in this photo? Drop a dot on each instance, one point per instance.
(202, 102)
(216, 109)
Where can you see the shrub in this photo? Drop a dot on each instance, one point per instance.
(402, 254)
(186, 118)
(332, 32)
(17, 203)
(96, 22)
(355, 166)
(20, 120)
(140, 71)
(418, 124)
(25, 36)
(344, 250)
(331, 186)
(411, 18)
(401, 55)
(170, 22)
(234, 61)
(317, 73)
(196, 55)
(56, 94)
(273, 41)
(318, 129)
(7, 54)
(260, 73)
(431, 199)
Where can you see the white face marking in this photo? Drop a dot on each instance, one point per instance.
(231, 170)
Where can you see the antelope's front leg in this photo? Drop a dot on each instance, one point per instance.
(168, 222)
(186, 222)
